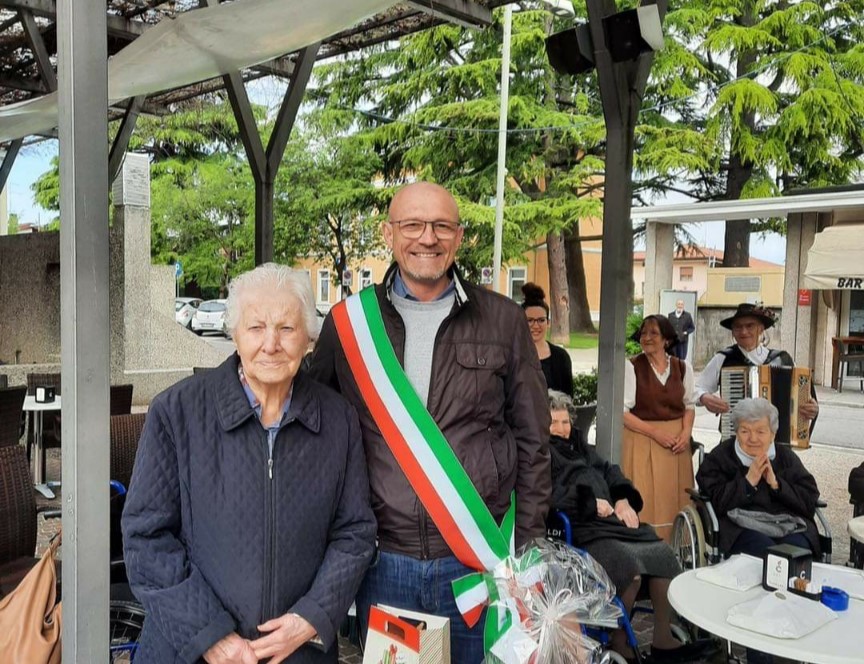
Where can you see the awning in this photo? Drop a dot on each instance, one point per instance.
(836, 259)
(202, 44)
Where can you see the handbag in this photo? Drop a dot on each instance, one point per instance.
(30, 616)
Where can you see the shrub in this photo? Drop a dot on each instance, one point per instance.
(585, 388)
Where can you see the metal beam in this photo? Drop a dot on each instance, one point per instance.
(84, 325)
(621, 87)
(249, 135)
(290, 106)
(460, 12)
(117, 26)
(37, 44)
(26, 84)
(121, 140)
(749, 208)
(9, 160)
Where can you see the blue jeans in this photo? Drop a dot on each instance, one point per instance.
(421, 585)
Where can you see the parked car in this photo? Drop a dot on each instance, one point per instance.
(210, 317)
(184, 310)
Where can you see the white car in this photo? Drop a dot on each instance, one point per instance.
(184, 310)
(209, 317)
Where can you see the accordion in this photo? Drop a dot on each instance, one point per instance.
(785, 387)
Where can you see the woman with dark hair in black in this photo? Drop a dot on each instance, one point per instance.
(557, 367)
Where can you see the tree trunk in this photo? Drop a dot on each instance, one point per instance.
(736, 245)
(580, 310)
(559, 298)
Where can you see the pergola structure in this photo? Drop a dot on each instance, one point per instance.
(29, 49)
(75, 36)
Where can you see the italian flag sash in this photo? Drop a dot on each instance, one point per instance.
(426, 458)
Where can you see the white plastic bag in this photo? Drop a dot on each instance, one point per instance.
(782, 615)
(740, 572)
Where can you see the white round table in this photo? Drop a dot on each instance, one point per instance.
(704, 604)
(38, 409)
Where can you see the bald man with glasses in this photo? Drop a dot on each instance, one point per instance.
(470, 363)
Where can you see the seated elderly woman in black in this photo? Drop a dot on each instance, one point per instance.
(602, 506)
(751, 481)
(247, 526)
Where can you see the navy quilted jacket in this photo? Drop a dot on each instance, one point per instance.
(213, 544)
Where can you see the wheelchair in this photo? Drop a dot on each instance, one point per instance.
(125, 613)
(696, 532)
(856, 524)
(558, 527)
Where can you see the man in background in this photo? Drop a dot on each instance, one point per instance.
(682, 322)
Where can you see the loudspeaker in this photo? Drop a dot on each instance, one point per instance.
(571, 51)
(633, 32)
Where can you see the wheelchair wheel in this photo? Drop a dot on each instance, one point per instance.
(680, 633)
(126, 620)
(688, 538)
(612, 657)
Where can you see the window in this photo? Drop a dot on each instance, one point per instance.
(516, 278)
(324, 285)
(685, 273)
(364, 275)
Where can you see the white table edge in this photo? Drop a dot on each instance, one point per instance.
(789, 648)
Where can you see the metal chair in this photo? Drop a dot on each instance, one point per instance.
(11, 409)
(51, 429)
(850, 354)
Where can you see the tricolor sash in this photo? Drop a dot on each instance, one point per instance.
(429, 463)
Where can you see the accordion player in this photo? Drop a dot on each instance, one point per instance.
(785, 387)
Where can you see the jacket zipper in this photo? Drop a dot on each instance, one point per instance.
(268, 601)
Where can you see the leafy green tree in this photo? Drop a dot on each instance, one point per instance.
(12, 224)
(768, 94)
(202, 196)
(327, 200)
(430, 109)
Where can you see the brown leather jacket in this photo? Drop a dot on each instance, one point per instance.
(488, 396)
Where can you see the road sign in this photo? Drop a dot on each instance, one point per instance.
(347, 278)
(485, 275)
(178, 270)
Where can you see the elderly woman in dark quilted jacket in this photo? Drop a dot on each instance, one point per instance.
(749, 475)
(247, 525)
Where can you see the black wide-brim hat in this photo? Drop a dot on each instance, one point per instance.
(747, 310)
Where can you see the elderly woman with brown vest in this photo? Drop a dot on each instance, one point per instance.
(658, 422)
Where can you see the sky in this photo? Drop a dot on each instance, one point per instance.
(33, 160)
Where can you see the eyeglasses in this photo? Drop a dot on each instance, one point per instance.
(537, 321)
(443, 230)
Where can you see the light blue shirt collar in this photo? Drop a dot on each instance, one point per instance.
(748, 460)
(401, 289)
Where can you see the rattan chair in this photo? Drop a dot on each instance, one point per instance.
(121, 399)
(11, 409)
(17, 518)
(125, 433)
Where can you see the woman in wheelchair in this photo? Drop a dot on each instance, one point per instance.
(602, 506)
(761, 492)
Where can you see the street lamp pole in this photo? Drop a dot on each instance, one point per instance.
(502, 148)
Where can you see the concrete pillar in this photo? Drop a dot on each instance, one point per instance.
(799, 317)
(659, 254)
(130, 267)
